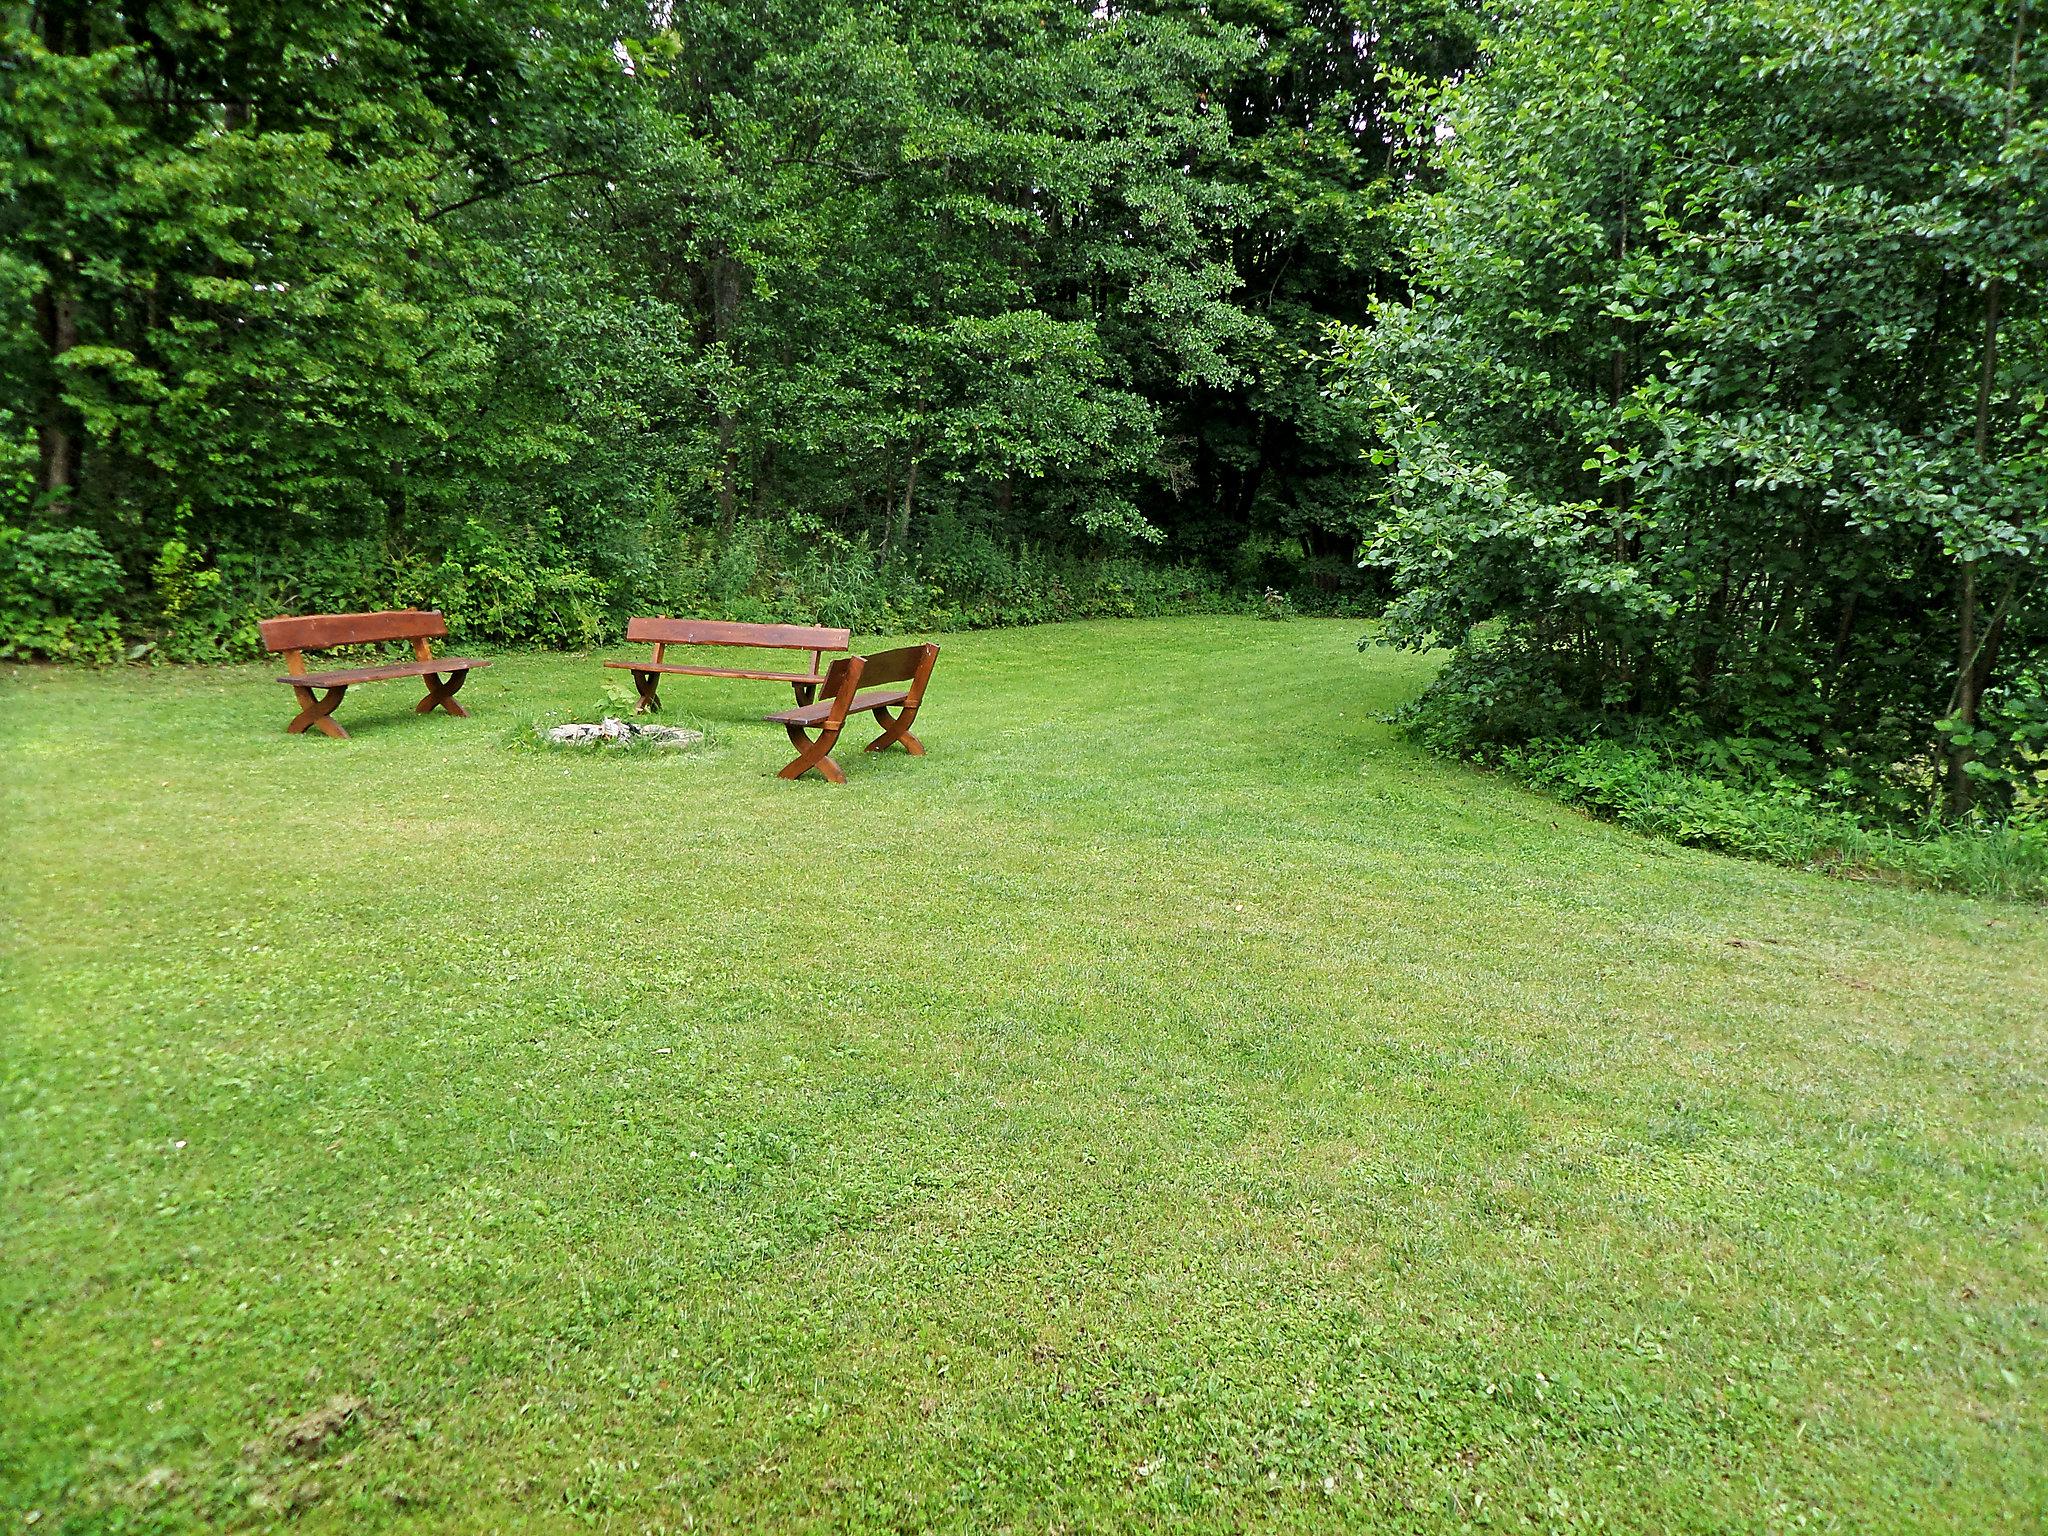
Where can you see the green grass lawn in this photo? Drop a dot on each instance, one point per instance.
(1174, 1103)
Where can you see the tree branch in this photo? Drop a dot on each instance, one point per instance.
(516, 186)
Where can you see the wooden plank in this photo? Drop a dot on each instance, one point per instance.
(377, 674)
(318, 631)
(909, 664)
(676, 666)
(861, 703)
(790, 637)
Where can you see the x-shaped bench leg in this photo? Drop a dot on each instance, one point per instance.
(812, 754)
(650, 698)
(442, 693)
(317, 710)
(897, 728)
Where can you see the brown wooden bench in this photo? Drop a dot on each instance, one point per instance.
(663, 633)
(320, 692)
(911, 665)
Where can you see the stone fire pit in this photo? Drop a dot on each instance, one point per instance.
(611, 731)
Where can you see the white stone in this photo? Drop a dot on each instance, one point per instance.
(612, 729)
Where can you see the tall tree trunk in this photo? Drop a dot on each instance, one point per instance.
(1994, 635)
(1965, 711)
(899, 531)
(58, 431)
(1618, 388)
(1845, 630)
(725, 281)
(1971, 673)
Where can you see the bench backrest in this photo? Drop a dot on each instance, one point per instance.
(321, 631)
(784, 637)
(318, 631)
(910, 664)
(842, 678)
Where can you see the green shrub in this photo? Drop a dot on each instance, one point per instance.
(1502, 702)
(58, 591)
(511, 592)
(188, 593)
(2009, 744)
(1492, 694)
(1780, 822)
(800, 569)
(532, 587)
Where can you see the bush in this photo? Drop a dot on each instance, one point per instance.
(1782, 822)
(801, 570)
(61, 591)
(1499, 702)
(58, 589)
(1492, 694)
(1698, 490)
(2009, 745)
(511, 592)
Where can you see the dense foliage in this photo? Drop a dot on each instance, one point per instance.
(546, 310)
(1717, 415)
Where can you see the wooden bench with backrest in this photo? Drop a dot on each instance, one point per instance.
(912, 666)
(320, 692)
(663, 633)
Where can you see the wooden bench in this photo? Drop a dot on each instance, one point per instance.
(663, 633)
(320, 692)
(911, 665)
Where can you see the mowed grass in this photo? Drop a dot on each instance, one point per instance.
(1173, 1104)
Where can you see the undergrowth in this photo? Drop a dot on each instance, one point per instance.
(1783, 823)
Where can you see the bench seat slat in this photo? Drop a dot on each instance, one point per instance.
(346, 676)
(676, 666)
(811, 714)
(782, 637)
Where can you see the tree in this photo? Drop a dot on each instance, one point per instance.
(233, 305)
(1701, 414)
(1321, 153)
